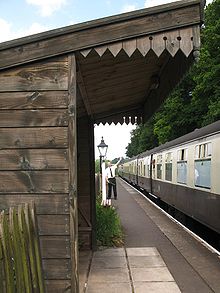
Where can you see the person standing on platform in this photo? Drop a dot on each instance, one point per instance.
(110, 178)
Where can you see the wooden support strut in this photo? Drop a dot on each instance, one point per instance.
(73, 175)
(83, 92)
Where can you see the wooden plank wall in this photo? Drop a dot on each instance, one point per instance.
(85, 131)
(34, 157)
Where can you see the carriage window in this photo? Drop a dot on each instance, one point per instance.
(140, 169)
(202, 171)
(182, 166)
(148, 167)
(182, 155)
(168, 167)
(208, 150)
(159, 166)
(203, 150)
(153, 167)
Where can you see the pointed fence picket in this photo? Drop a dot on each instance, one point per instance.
(20, 259)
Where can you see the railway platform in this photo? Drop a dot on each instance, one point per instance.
(159, 256)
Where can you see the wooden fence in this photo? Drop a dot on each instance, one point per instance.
(20, 260)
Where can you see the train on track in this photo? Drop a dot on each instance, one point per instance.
(183, 173)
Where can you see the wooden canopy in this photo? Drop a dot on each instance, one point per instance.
(126, 64)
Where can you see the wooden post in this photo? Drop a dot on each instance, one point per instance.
(104, 196)
(1, 267)
(92, 184)
(73, 174)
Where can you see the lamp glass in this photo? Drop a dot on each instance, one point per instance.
(102, 147)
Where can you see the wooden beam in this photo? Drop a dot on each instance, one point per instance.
(122, 116)
(100, 32)
(73, 175)
(92, 183)
(118, 111)
(83, 92)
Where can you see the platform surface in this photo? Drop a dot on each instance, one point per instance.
(158, 257)
(127, 270)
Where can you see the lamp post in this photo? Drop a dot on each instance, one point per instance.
(102, 147)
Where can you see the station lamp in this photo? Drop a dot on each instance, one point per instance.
(102, 147)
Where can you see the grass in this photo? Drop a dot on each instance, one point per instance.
(109, 230)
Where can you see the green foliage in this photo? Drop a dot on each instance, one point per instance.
(115, 161)
(177, 116)
(109, 232)
(206, 94)
(97, 166)
(142, 138)
(195, 102)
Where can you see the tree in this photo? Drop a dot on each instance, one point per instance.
(142, 138)
(115, 160)
(177, 116)
(206, 94)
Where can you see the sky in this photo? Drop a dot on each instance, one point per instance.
(20, 18)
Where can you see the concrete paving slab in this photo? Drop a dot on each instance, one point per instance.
(146, 261)
(142, 251)
(99, 275)
(109, 262)
(156, 287)
(109, 252)
(160, 274)
(109, 288)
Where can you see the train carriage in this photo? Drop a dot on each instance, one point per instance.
(184, 173)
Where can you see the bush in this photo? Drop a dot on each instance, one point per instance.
(109, 232)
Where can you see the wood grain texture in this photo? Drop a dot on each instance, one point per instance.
(34, 182)
(118, 89)
(115, 73)
(158, 44)
(100, 50)
(55, 246)
(30, 118)
(115, 48)
(98, 35)
(33, 159)
(57, 269)
(73, 174)
(33, 100)
(84, 180)
(109, 64)
(143, 45)
(196, 37)
(172, 42)
(16, 138)
(92, 207)
(81, 91)
(186, 42)
(129, 46)
(46, 204)
(53, 224)
(50, 75)
(57, 286)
